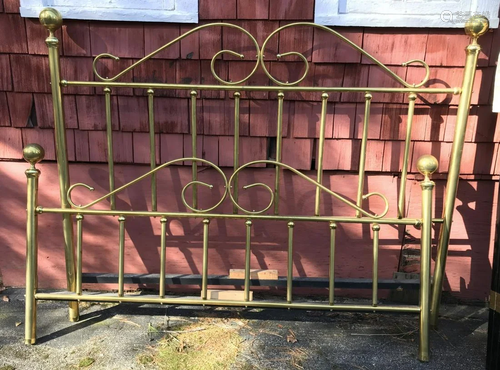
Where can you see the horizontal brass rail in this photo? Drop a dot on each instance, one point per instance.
(106, 297)
(138, 85)
(362, 220)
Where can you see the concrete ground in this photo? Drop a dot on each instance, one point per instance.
(115, 336)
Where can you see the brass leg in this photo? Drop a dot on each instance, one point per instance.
(475, 27)
(32, 153)
(427, 165)
(51, 19)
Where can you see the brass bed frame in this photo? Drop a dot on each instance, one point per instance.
(429, 295)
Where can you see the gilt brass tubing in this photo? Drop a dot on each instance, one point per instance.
(121, 258)
(364, 220)
(216, 302)
(248, 224)
(163, 252)
(425, 268)
(178, 39)
(204, 278)
(331, 288)
(404, 172)
(362, 155)
(139, 85)
(152, 149)
(62, 165)
(279, 141)
(344, 40)
(321, 145)
(194, 165)
(236, 153)
(376, 230)
(289, 275)
(453, 177)
(109, 137)
(79, 253)
(32, 175)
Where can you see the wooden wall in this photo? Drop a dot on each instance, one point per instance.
(25, 109)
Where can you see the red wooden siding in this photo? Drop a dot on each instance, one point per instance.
(26, 113)
(332, 64)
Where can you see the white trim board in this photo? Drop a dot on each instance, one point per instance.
(179, 11)
(403, 13)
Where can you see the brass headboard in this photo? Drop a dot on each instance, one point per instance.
(428, 309)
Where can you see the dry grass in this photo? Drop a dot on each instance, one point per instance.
(297, 357)
(210, 344)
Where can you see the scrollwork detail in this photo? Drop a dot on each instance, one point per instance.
(257, 184)
(345, 40)
(149, 173)
(260, 56)
(178, 39)
(228, 184)
(210, 186)
(307, 178)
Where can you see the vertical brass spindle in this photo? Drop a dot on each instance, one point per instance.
(404, 171)
(362, 156)
(204, 278)
(163, 253)
(152, 148)
(121, 258)
(109, 137)
(279, 140)
(331, 295)
(79, 253)
(426, 165)
(289, 275)
(475, 27)
(248, 224)
(321, 145)
(33, 153)
(51, 19)
(376, 229)
(236, 154)
(194, 166)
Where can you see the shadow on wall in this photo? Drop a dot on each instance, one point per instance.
(227, 237)
(478, 236)
(184, 236)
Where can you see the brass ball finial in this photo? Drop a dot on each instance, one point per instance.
(33, 153)
(51, 19)
(427, 164)
(477, 26)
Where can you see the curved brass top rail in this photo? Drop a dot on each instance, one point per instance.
(260, 56)
(228, 185)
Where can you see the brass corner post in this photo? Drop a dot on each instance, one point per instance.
(426, 165)
(32, 153)
(51, 19)
(475, 27)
